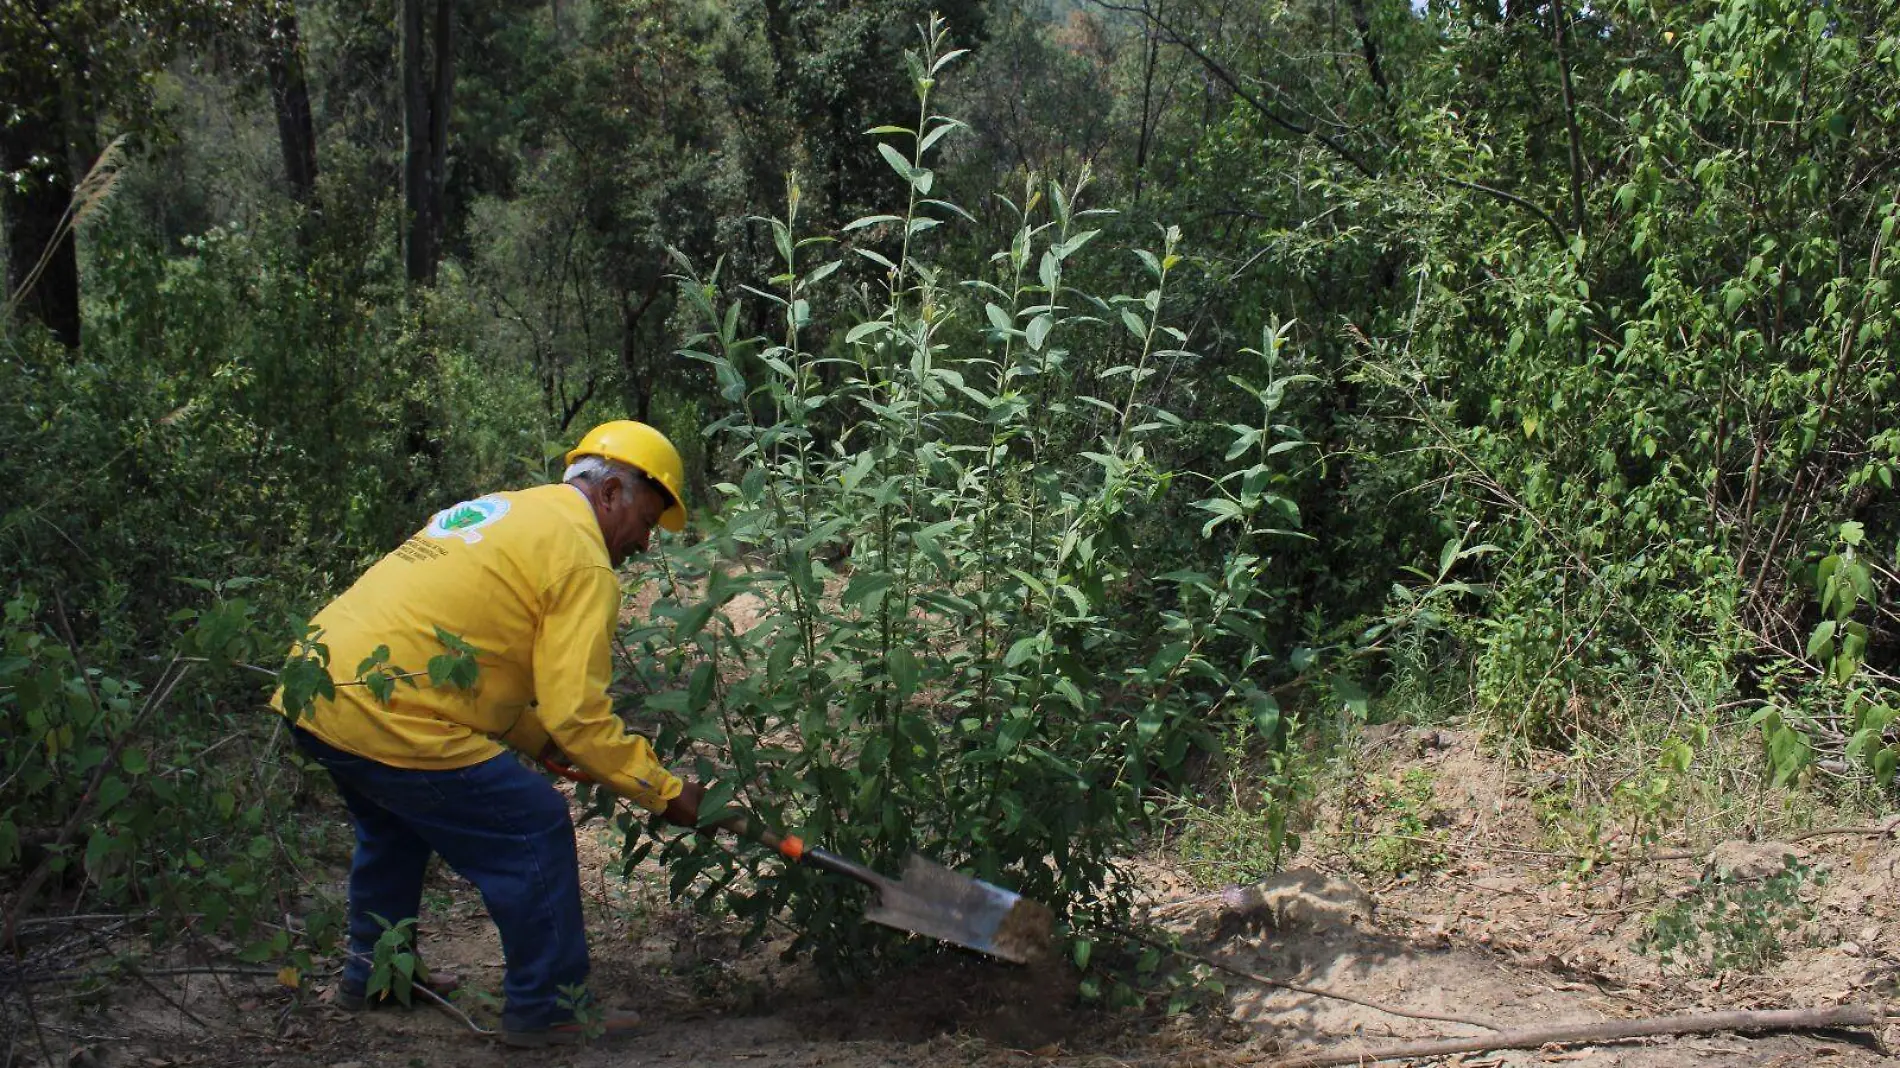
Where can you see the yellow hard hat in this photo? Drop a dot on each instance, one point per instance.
(647, 451)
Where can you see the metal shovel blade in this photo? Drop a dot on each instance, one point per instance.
(934, 901)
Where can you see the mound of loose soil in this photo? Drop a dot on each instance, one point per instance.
(951, 992)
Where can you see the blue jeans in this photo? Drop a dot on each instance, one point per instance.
(501, 827)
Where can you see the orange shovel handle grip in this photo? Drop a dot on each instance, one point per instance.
(793, 848)
(790, 846)
(565, 770)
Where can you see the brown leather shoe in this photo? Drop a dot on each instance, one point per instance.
(614, 1023)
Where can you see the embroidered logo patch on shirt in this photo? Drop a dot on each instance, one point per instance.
(466, 520)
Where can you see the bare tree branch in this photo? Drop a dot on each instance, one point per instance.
(1233, 84)
(1562, 237)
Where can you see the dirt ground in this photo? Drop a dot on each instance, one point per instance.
(1508, 934)
(1501, 932)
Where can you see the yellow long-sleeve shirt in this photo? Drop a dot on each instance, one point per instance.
(525, 578)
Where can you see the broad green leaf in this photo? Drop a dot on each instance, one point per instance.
(779, 661)
(896, 160)
(866, 586)
(863, 330)
(902, 664)
(1266, 715)
(1038, 331)
(1074, 244)
(1148, 724)
(1349, 693)
(699, 690)
(112, 792)
(930, 139)
(820, 273)
(377, 658)
(1885, 762)
(1821, 642)
(1022, 649)
(948, 58)
(1070, 693)
(878, 258)
(719, 798)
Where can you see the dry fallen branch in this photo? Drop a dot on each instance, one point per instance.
(84, 975)
(1607, 1031)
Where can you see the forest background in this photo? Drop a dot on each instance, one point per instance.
(1110, 419)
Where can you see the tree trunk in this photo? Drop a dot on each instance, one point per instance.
(33, 208)
(290, 99)
(439, 103)
(428, 76)
(638, 373)
(417, 185)
(1150, 117)
(1580, 219)
(37, 144)
(1362, 21)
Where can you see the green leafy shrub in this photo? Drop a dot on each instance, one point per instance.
(249, 409)
(1656, 398)
(395, 967)
(1725, 924)
(1404, 835)
(143, 795)
(1846, 710)
(942, 661)
(1247, 827)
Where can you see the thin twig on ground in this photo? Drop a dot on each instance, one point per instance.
(80, 975)
(448, 1006)
(33, 1016)
(34, 923)
(147, 983)
(1297, 988)
(454, 1010)
(1605, 1031)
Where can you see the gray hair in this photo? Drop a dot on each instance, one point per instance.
(601, 469)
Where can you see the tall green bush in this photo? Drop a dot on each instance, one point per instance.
(1663, 401)
(942, 661)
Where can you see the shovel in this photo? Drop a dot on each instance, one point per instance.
(930, 899)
